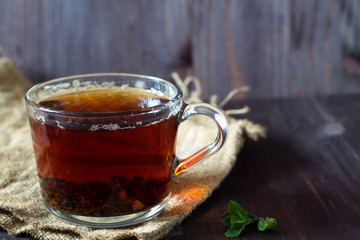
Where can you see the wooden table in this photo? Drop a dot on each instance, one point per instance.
(306, 174)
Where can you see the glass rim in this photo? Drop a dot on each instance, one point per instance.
(173, 100)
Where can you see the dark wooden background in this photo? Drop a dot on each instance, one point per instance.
(279, 48)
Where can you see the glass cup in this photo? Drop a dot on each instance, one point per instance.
(104, 145)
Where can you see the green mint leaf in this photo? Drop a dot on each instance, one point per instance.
(252, 217)
(235, 230)
(236, 209)
(238, 219)
(261, 224)
(226, 219)
(267, 223)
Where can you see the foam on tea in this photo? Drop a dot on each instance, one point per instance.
(104, 173)
(104, 100)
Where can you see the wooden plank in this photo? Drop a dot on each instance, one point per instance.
(305, 173)
(49, 39)
(279, 48)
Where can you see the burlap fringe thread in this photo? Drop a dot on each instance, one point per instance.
(21, 208)
(253, 131)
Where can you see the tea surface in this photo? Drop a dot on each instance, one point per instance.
(104, 100)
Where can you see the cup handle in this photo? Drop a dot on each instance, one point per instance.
(190, 110)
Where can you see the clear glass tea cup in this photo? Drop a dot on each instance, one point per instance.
(104, 145)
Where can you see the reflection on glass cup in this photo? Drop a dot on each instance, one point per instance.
(105, 145)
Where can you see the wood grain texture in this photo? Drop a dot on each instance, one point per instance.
(305, 173)
(279, 48)
(50, 39)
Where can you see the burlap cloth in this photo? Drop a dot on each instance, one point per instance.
(21, 207)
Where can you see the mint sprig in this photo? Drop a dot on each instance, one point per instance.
(236, 218)
(267, 223)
